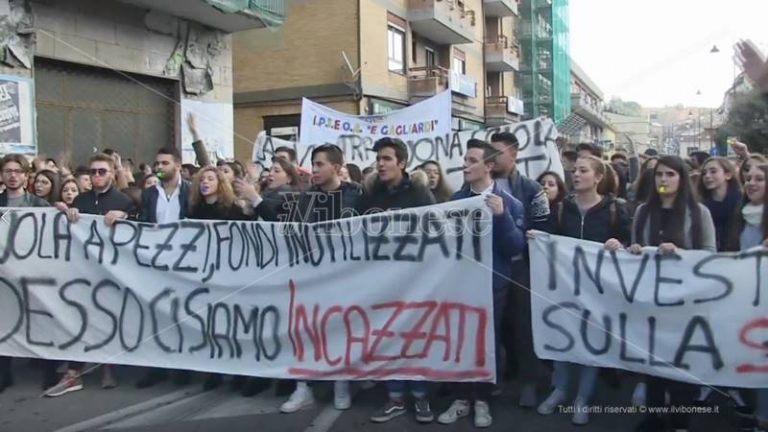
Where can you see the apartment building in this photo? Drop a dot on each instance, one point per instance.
(545, 75)
(96, 74)
(374, 56)
(587, 107)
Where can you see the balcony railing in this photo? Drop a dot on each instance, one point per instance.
(501, 55)
(593, 113)
(500, 8)
(429, 80)
(442, 21)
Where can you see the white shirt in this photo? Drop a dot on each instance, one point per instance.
(487, 191)
(168, 209)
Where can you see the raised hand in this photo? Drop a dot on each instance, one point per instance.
(753, 63)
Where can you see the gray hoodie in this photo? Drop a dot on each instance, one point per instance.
(708, 240)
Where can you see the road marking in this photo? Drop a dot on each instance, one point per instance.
(114, 416)
(324, 420)
(329, 414)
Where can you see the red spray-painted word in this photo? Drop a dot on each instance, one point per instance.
(754, 326)
(418, 329)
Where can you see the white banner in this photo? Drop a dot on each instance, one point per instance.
(349, 299)
(695, 316)
(537, 153)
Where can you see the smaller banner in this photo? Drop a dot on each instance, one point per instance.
(426, 129)
(693, 316)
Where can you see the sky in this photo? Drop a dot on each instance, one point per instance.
(657, 52)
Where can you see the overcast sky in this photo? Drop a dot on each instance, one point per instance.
(656, 52)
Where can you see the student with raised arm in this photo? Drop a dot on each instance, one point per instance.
(671, 219)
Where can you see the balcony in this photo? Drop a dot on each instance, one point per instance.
(500, 110)
(425, 82)
(590, 112)
(445, 22)
(501, 55)
(500, 8)
(271, 13)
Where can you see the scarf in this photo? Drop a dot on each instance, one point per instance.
(723, 214)
(722, 211)
(753, 213)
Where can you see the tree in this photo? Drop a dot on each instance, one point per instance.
(627, 108)
(748, 120)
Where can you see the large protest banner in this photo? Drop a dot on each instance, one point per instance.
(349, 299)
(356, 135)
(692, 316)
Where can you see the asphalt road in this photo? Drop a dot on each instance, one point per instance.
(169, 408)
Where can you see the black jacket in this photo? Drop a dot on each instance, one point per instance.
(276, 204)
(148, 212)
(405, 195)
(316, 205)
(99, 204)
(216, 212)
(608, 219)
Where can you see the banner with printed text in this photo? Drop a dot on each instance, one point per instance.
(693, 316)
(426, 129)
(348, 299)
(17, 116)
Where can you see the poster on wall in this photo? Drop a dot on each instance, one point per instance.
(17, 115)
(215, 123)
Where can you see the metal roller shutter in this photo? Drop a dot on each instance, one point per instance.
(81, 108)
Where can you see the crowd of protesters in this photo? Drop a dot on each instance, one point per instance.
(626, 202)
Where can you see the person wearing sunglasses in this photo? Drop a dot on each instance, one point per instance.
(103, 199)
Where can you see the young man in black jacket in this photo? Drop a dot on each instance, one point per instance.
(517, 317)
(14, 173)
(104, 199)
(391, 191)
(329, 198)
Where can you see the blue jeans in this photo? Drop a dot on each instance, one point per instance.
(587, 379)
(397, 389)
(762, 405)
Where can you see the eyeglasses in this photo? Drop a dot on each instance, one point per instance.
(101, 172)
(10, 171)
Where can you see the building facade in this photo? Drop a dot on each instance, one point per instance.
(545, 75)
(96, 74)
(587, 106)
(374, 56)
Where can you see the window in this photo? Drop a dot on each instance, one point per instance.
(396, 49)
(430, 57)
(414, 51)
(459, 65)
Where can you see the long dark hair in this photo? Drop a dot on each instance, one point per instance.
(442, 192)
(764, 222)
(685, 201)
(561, 188)
(52, 177)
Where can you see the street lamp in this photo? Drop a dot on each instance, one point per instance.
(714, 50)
